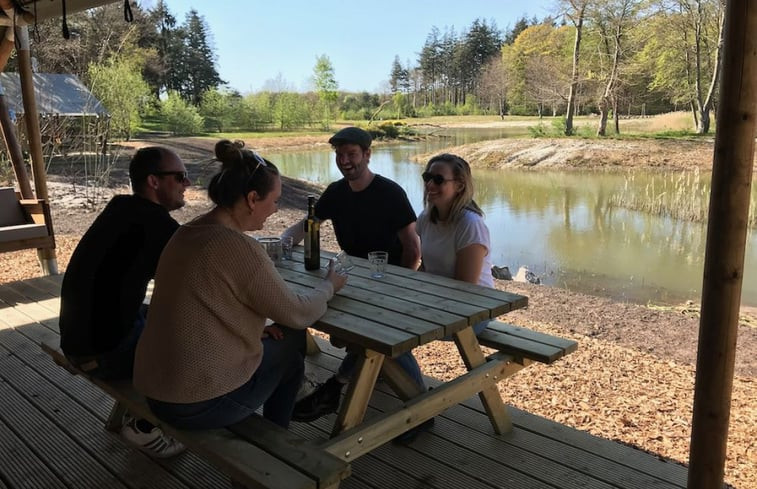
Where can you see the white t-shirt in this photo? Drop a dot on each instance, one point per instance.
(441, 242)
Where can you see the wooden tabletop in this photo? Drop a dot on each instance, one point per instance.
(402, 310)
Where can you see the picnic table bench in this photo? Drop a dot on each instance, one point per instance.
(255, 453)
(379, 319)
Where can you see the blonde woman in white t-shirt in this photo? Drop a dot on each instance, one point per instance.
(454, 237)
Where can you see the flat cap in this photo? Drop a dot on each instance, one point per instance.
(352, 135)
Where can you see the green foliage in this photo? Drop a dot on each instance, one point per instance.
(119, 85)
(326, 86)
(216, 109)
(181, 117)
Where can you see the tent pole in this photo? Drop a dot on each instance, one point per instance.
(8, 128)
(31, 117)
(726, 243)
(14, 150)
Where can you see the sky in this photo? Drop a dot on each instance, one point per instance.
(260, 40)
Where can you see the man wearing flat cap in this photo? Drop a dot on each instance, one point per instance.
(369, 212)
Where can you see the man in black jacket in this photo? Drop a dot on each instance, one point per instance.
(104, 287)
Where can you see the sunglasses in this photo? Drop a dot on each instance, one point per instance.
(179, 176)
(437, 179)
(260, 160)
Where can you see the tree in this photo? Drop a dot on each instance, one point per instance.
(119, 85)
(494, 85)
(215, 108)
(399, 77)
(197, 69)
(169, 46)
(575, 10)
(685, 51)
(612, 18)
(326, 86)
(182, 118)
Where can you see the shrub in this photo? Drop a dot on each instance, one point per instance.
(182, 118)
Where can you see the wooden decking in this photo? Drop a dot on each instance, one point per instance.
(51, 432)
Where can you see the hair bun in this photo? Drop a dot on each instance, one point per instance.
(228, 152)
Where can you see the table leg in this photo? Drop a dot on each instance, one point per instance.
(400, 382)
(359, 391)
(470, 351)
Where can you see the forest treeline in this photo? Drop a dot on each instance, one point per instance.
(605, 57)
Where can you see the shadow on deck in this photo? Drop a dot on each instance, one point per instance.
(51, 431)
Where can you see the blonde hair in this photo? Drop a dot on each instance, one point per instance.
(464, 199)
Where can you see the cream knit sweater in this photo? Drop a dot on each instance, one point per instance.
(214, 288)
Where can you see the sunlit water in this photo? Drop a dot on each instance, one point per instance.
(559, 225)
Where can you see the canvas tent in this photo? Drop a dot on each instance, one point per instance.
(71, 118)
(727, 224)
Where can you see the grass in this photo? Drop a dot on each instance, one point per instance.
(684, 195)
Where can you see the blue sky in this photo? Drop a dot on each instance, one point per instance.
(259, 40)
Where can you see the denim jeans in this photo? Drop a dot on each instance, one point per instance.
(406, 361)
(274, 386)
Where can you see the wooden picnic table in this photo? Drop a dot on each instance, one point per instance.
(382, 318)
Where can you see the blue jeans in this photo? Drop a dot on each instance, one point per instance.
(274, 386)
(405, 360)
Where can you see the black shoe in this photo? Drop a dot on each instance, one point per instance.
(411, 434)
(322, 401)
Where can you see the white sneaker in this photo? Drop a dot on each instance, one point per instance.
(154, 443)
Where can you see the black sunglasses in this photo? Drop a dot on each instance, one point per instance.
(437, 179)
(179, 176)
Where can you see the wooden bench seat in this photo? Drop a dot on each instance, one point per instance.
(255, 453)
(24, 223)
(525, 343)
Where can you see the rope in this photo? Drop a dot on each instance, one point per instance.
(66, 33)
(128, 16)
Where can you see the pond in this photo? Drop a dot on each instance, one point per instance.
(561, 225)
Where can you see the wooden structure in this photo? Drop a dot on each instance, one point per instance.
(254, 452)
(51, 432)
(24, 223)
(73, 122)
(732, 169)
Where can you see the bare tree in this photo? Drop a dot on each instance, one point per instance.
(612, 18)
(575, 10)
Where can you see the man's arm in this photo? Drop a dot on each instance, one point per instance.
(411, 246)
(296, 231)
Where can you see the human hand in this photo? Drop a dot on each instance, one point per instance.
(273, 332)
(337, 279)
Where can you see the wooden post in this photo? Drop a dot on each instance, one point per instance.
(31, 117)
(14, 150)
(7, 45)
(726, 242)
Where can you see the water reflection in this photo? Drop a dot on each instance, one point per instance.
(560, 224)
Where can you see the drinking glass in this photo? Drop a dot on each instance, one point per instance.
(272, 246)
(377, 260)
(343, 262)
(286, 247)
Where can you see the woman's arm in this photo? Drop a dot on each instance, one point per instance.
(411, 246)
(468, 262)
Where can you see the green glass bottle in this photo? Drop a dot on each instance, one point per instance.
(312, 238)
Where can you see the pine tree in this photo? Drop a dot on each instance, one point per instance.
(195, 71)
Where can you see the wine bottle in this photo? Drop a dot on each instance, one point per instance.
(312, 238)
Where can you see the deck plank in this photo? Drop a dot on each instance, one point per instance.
(51, 431)
(191, 469)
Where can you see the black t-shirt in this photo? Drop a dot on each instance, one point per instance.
(106, 280)
(367, 220)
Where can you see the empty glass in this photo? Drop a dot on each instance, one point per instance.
(286, 247)
(272, 246)
(377, 260)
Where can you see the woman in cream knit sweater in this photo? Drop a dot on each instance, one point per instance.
(203, 360)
